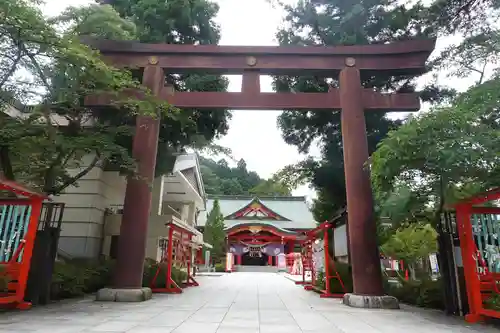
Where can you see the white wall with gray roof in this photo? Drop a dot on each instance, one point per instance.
(293, 208)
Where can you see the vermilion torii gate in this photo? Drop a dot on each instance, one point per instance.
(344, 62)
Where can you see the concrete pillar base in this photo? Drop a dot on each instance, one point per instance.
(371, 302)
(124, 295)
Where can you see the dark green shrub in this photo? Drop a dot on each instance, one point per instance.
(335, 286)
(77, 277)
(425, 293)
(150, 269)
(493, 302)
(320, 281)
(4, 279)
(220, 267)
(344, 271)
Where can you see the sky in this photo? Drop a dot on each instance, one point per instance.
(253, 135)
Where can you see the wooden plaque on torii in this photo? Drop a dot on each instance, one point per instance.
(344, 62)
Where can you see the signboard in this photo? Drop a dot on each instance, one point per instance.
(434, 263)
(318, 256)
(229, 262)
(281, 262)
(207, 258)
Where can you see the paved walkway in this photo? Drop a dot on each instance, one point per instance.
(234, 303)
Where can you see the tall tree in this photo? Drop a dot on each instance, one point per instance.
(476, 56)
(214, 233)
(271, 187)
(444, 154)
(221, 179)
(411, 243)
(224, 180)
(181, 22)
(334, 22)
(40, 146)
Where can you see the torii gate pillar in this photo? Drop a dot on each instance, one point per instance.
(363, 249)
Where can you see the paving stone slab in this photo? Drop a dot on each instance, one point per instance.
(232, 303)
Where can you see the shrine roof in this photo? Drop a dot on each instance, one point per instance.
(293, 212)
(262, 224)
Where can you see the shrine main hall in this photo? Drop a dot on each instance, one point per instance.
(258, 229)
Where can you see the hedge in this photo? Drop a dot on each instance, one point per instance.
(425, 293)
(79, 277)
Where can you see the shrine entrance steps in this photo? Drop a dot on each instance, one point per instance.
(256, 269)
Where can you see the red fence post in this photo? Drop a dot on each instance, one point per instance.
(467, 247)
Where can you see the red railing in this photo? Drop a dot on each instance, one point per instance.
(19, 217)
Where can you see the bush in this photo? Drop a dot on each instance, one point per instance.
(220, 267)
(344, 271)
(425, 293)
(150, 269)
(4, 279)
(493, 302)
(79, 277)
(335, 286)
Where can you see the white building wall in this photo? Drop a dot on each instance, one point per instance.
(86, 231)
(340, 241)
(85, 204)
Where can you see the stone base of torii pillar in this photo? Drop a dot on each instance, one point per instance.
(124, 295)
(371, 302)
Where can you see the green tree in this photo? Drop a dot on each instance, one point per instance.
(334, 22)
(474, 56)
(221, 179)
(271, 187)
(225, 180)
(40, 146)
(445, 152)
(181, 22)
(412, 243)
(214, 233)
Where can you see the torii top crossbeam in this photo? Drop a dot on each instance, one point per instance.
(402, 58)
(407, 57)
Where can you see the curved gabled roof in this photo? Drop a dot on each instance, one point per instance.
(261, 225)
(294, 209)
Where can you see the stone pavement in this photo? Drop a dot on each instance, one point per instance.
(232, 303)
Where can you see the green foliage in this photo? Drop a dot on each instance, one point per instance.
(97, 21)
(403, 206)
(335, 287)
(150, 269)
(221, 179)
(214, 233)
(443, 152)
(333, 22)
(181, 22)
(411, 243)
(462, 16)
(473, 56)
(220, 267)
(40, 146)
(4, 279)
(493, 302)
(78, 277)
(424, 293)
(272, 187)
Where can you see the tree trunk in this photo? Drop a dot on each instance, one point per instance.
(6, 163)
